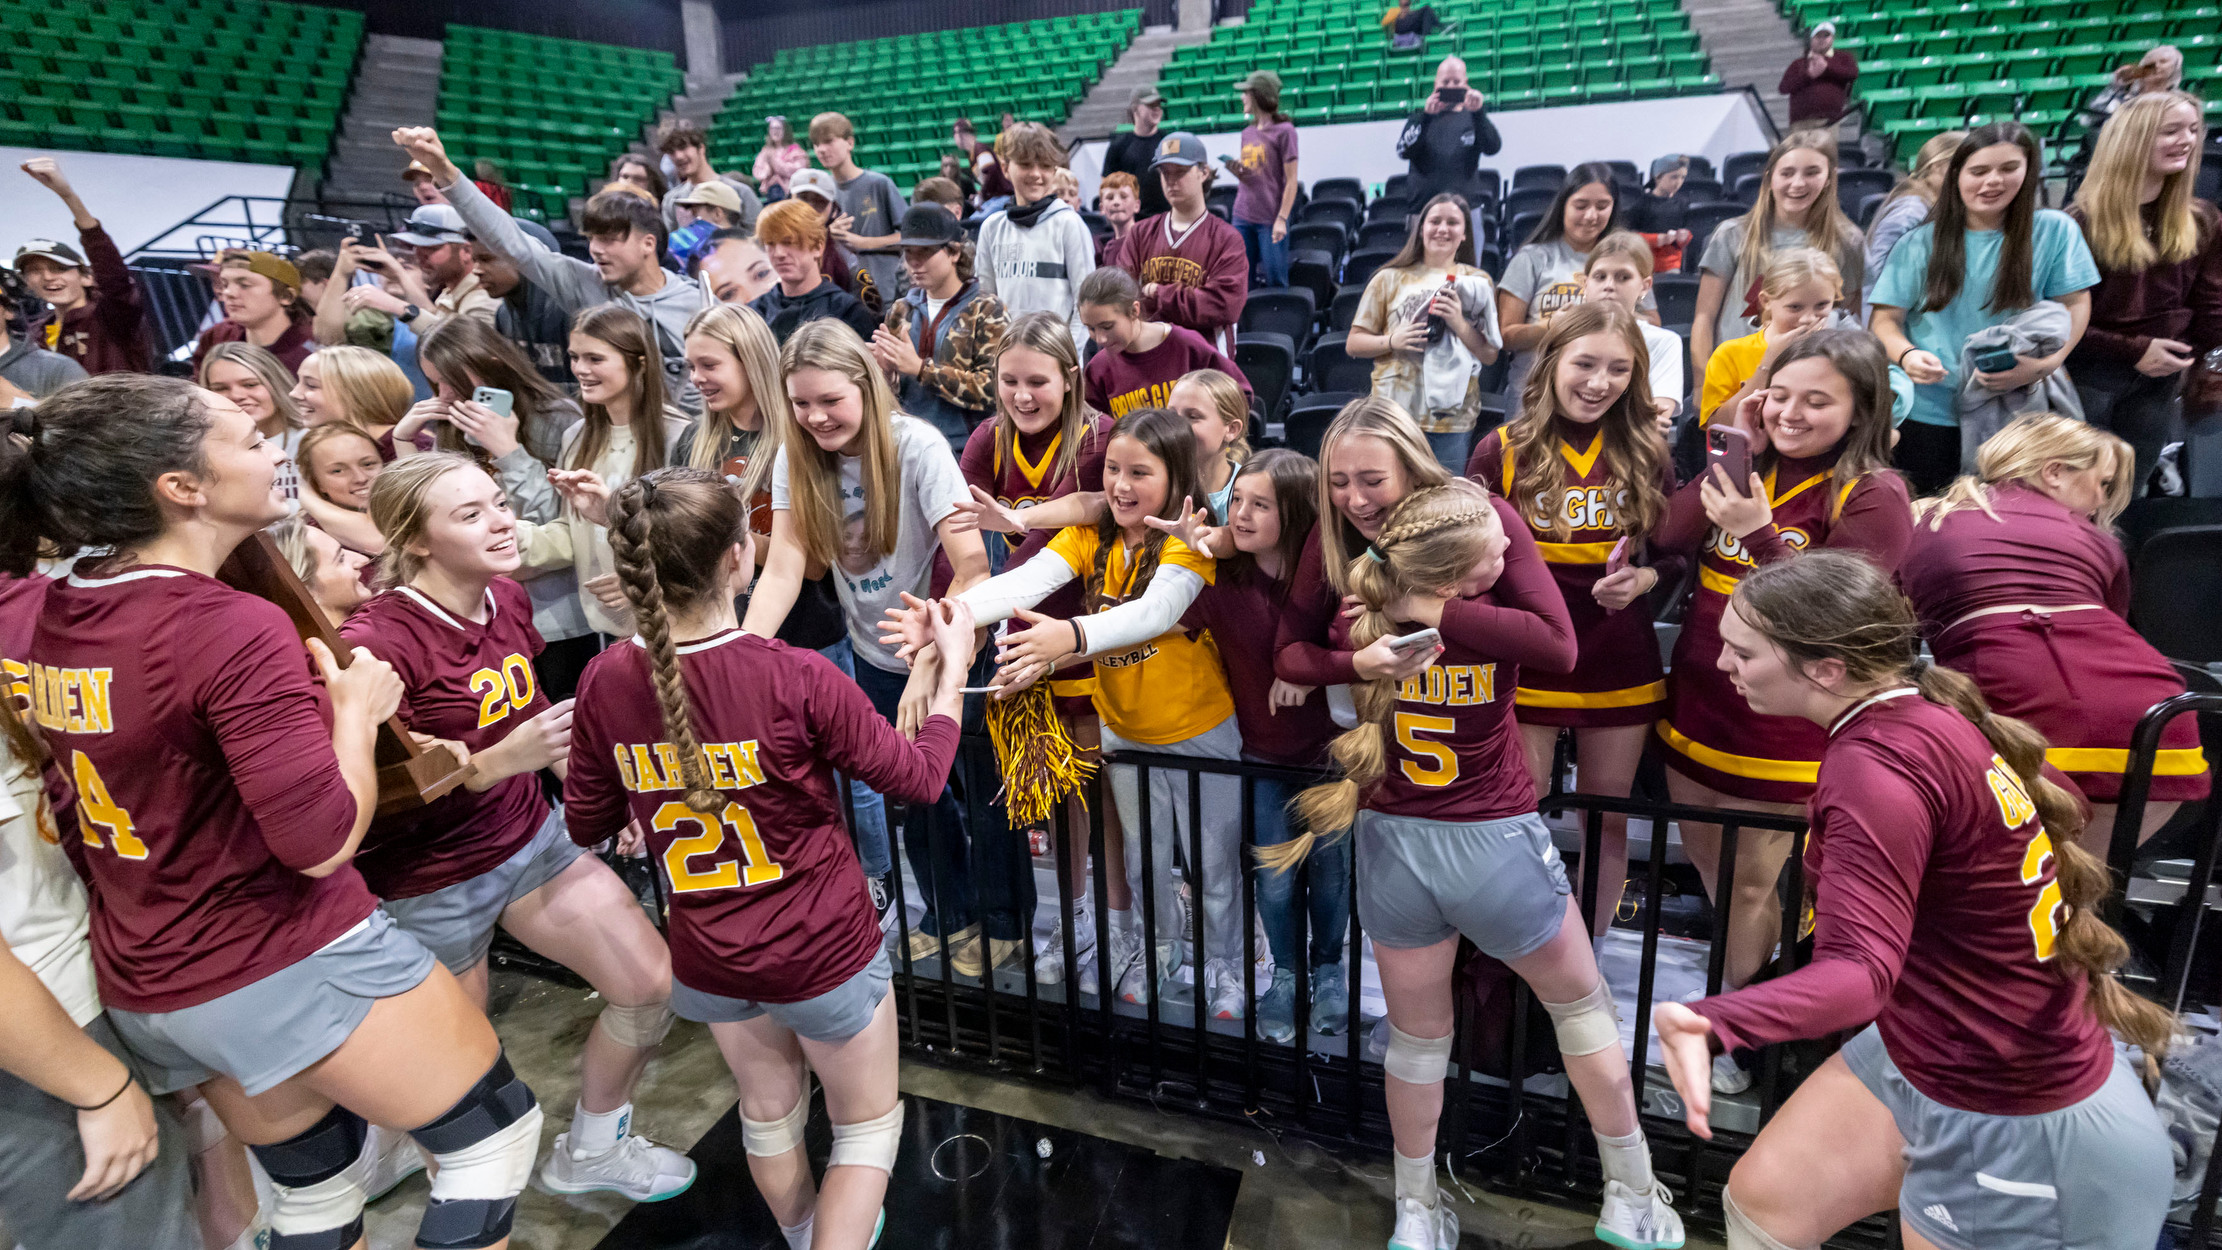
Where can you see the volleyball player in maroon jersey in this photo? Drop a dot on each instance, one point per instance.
(1436, 782)
(1954, 909)
(722, 745)
(1584, 464)
(1820, 440)
(2020, 586)
(459, 633)
(220, 796)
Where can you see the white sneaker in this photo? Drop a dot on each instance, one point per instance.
(1424, 1228)
(1223, 987)
(1727, 1077)
(1634, 1221)
(635, 1167)
(1049, 950)
(1129, 970)
(397, 1157)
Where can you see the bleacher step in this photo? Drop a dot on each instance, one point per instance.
(397, 85)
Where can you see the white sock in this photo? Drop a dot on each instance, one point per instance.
(798, 1237)
(1122, 920)
(597, 1132)
(1415, 1178)
(1626, 1159)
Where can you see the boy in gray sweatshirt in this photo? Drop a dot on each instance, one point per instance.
(1034, 255)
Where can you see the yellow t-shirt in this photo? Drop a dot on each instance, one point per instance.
(1732, 365)
(1188, 687)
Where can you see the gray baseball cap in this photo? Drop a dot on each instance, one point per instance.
(433, 225)
(1179, 148)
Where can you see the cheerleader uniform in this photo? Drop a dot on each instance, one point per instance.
(1618, 679)
(1936, 916)
(2078, 672)
(448, 870)
(1710, 734)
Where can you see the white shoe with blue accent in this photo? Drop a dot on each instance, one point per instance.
(1639, 1221)
(1424, 1228)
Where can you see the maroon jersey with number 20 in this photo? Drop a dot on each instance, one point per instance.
(768, 902)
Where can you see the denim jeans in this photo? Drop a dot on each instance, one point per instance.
(986, 877)
(1452, 450)
(1327, 893)
(2143, 411)
(871, 810)
(1268, 260)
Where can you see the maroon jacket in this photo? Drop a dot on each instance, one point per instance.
(1202, 284)
(294, 346)
(108, 332)
(1823, 96)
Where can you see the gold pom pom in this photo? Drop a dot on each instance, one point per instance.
(1039, 761)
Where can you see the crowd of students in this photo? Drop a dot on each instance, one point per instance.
(597, 576)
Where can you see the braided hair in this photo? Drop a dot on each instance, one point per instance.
(669, 529)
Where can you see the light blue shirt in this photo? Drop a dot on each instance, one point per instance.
(2060, 265)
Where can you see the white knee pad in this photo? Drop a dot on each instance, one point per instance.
(318, 1177)
(482, 1151)
(1742, 1233)
(1586, 1025)
(637, 1027)
(1416, 1060)
(871, 1144)
(770, 1138)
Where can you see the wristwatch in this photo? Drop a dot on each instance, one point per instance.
(409, 312)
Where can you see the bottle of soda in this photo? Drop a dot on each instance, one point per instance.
(1436, 328)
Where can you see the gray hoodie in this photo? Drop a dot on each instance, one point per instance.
(574, 284)
(36, 371)
(1038, 268)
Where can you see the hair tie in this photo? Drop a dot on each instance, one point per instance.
(647, 492)
(1375, 553)
(24, 420)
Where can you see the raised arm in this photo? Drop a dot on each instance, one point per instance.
(774, 594)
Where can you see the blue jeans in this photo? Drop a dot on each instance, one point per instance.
(986, 877)
(1328, 898)
(871, 810)
(1268, 260)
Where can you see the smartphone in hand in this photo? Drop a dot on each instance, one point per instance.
(1995, 360)
(1617, 559)
(494, 397)
(1423, 640)
(1730, 448)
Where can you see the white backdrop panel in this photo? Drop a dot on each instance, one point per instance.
(137, 198)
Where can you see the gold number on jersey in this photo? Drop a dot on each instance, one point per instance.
(94, 807)
(1408, 726)
(759, 870)
(502, 690)
(2044, 915)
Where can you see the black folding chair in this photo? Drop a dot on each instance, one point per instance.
(1283, 310)
(1339, 188)
(1320, 236)
(1334, 369)
(1345, 308)
(1546, 176)
(1677, 298)
(1315, 272)
(1360, 266)
(1309, 417)
(1269, 361)
(1343, 212)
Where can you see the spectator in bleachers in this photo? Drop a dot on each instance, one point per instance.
(2157, 309)
(315, 268)
(1132, 153)
(2160, 69)
(1265, 178)
(1819, 83)
(1192, 266)
(793, 238)
(623, 233)
(261, 296)
(939, 340)
(642, 173)
(736, 268)
(98, 316)
(1662, 213)
(871, 207)
(1984, 257)
(440, 285)
(778, 159)
(1428, 321)
(28, 371)
(1619, 272)
(815, 188)
(980, 160)
(1796, 207)
(1545, 275)
(954, 170)
(254, 381)
(420, 184)
(1119, 199)
(689, 149)
(1065, 186)
(525, 314)
(1909, 202)
(1140, 361)
(713, 207)
(1408, 26)
(942, 191)
(1445, 138)
(489, 178)
(1035, 254)
(1798, 295)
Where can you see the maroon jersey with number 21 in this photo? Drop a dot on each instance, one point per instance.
(768, 902)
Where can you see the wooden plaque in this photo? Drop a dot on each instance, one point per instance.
(408, 775)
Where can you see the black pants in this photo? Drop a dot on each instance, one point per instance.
(1419, 21)
(1929, 456)
(2143, 411)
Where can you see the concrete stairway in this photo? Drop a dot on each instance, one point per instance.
(1104, 109)
(397, 85)
(1749, 43)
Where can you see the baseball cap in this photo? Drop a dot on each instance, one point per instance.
(929, 225)
(1667, 164)
(416, 170)
(816, 181)
(1261, 78)
(1146, 95)
(269, 264)
(49, 249)
(432, 225)
(713, 193)
(1179, 148)
(1828, 27)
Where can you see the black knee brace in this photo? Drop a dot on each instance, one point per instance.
(485, 1145)
(306, 1161)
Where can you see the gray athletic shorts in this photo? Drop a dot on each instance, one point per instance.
(457, 923)
(1499, 882)
(834, 1016)
(41, 1157)
(269, 1031)
(2092, 1176)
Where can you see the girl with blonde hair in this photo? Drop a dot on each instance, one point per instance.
(1909, 202)
(2021, 586)
(261, 385)
(1798, 294)
(1435, 788)
(1796, 207)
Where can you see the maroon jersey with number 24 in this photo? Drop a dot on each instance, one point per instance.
(768, 902)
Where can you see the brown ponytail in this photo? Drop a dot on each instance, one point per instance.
(1431, 541)
(668, 529)
(1836, 605)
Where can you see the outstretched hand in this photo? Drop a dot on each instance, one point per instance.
(1029, 654)
(1192, 528)
(423, 143)
(585, 491)
(909, 628)
(1686, 1048)
(985, 512)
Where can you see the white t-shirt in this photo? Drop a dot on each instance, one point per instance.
(867, 583)
(42, 906)
(1665, 347)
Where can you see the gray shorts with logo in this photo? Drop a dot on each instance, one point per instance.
(2091, 1176)
(1499, 882)
(457, 923)
(268, 1031)
(834, 1016)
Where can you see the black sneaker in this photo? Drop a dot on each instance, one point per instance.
(883, 901)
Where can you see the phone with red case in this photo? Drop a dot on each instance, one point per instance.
(1730, 448)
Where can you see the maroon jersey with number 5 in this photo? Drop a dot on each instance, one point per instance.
(184, 713)
(470, 682)
(768, 902)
